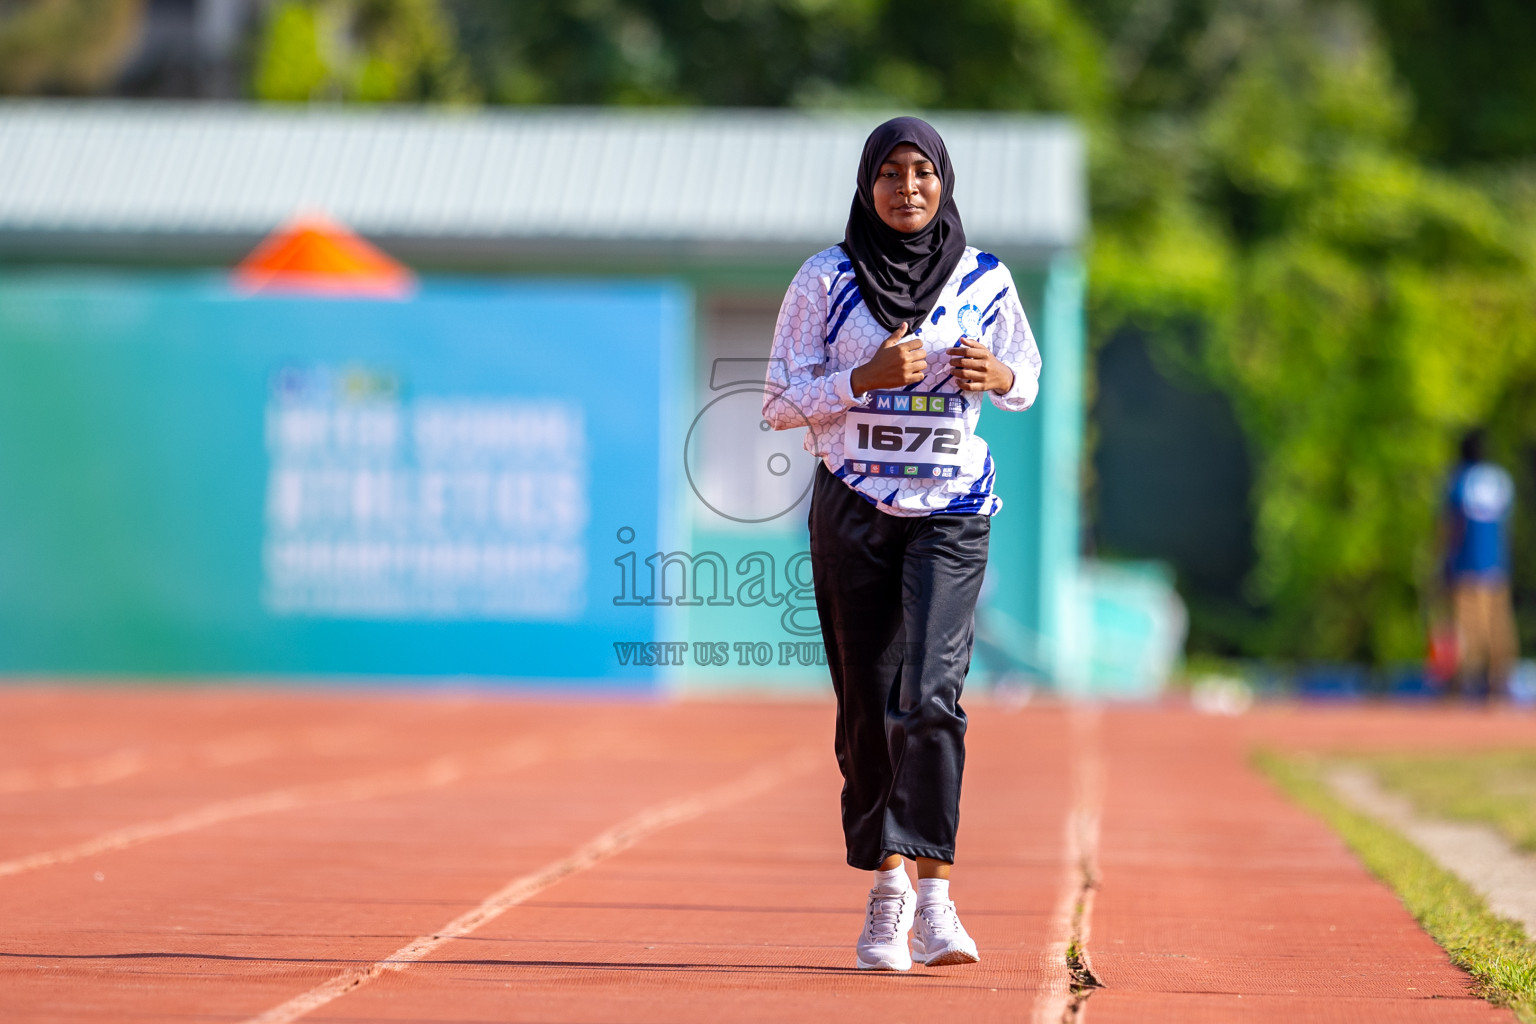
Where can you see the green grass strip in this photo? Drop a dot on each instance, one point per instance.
(1493, 949)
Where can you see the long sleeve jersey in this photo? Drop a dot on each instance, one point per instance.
(825, 330)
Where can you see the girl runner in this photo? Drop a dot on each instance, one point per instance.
(885, 346)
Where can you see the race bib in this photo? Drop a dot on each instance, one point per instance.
(916, 435)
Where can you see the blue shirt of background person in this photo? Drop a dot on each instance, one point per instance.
(1477, 507)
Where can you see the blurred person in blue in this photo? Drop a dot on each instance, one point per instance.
(1474, 533)
(887, 344)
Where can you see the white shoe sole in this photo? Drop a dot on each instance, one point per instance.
(949, 958)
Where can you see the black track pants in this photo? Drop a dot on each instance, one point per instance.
(897, 600)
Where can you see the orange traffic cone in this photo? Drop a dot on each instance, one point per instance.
(314, 255)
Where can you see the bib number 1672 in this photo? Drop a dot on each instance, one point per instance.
(885, 437)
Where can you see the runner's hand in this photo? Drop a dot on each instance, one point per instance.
(897, 363)
(975, 368)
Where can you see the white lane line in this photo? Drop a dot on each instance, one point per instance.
(1079, 865)
(439, 771)
(69, 774)
(239, 748)
(615, 840)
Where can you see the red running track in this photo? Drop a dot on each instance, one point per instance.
(240, 856)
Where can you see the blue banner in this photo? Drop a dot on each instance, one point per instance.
(200, 482)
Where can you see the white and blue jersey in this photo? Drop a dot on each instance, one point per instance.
(1478, 502)
(825, 331)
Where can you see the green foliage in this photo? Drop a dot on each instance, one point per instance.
(291, 66)
(1359, 308)
(363, 50)
(981, 54)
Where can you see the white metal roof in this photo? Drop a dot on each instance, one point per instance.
(704, 176)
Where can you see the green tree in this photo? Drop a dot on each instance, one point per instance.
(1360, 309)
(363, 50)
(979, 54)
(291, 64)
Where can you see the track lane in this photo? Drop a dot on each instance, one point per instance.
(749, 914)
(184, 770)
(439, 771)
(609, 843)
(248, 911)
(1216, 901)
(1223, 901)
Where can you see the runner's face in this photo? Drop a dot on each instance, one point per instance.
(907, 189)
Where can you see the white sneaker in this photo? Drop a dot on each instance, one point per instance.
(887, 923)
(940, 940)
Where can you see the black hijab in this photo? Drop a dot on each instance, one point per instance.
(900, 275)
